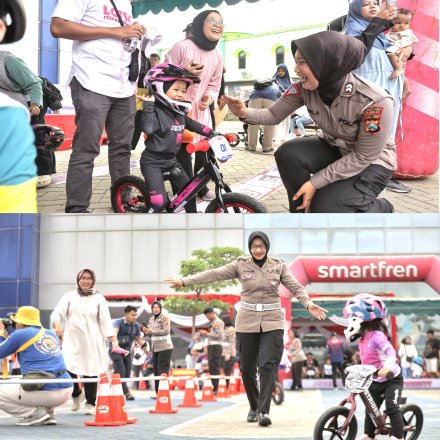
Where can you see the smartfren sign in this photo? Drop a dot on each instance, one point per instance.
(381, 270)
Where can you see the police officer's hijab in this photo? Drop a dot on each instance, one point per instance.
(156, 315)
(330, 56)
(265, 238)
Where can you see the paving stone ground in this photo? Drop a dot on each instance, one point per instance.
(424, 197)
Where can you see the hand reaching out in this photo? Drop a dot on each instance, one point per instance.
(236, 106)
(317, 312)
(174, 282)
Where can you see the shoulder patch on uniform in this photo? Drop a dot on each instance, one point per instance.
(372, 117)
(244, 258)
(293, 90)
(348, 89)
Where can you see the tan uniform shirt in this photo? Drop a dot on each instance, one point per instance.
(358, 123)
(259, 286)
(160, 336)
(229, 342)
(295, 351)
(215, 335)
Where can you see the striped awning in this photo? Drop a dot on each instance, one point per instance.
(141, 7)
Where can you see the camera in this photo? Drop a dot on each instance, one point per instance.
(131, 44)
(8, 322)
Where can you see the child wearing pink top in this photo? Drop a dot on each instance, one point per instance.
(365, 315)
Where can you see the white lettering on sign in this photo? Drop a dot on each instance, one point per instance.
(371, 270)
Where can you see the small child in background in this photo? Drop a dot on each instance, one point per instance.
(417, 367)
(327, 368)
(401, 36)
(365, 315)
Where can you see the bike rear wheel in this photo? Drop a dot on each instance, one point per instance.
(236, 202)
(412, 421)
(278, 394)
(129, 194)
(328, 426)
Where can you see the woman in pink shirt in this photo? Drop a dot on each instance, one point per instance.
(198, 54)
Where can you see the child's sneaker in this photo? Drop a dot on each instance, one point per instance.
(77, 402)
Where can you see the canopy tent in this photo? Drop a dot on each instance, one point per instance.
(141, 7)
(396, 306)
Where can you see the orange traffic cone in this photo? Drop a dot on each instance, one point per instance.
(119, 401)
(163, 402)
(222, 390)
(207, 391)
(105, 414)
(189, 398)
(232, 388)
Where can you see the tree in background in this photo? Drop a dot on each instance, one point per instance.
(203, 260)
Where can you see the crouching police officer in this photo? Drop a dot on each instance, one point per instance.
(39, 352)
(260, 320)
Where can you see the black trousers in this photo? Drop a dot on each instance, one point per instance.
(152, 173)
(45, 161)
(90, 389)
(335, 367)
(390, 391)
(122, 366)
(215, 362)
(137, 129)
(297, 375)
(261, 350)
(299, 158)
(161, 364)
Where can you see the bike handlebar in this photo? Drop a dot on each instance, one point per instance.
(202, 145)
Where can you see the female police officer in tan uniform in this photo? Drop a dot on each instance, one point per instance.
(161, 345)
(260, 320)
(347, 166)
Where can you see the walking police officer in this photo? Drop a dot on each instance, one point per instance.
(260, 320)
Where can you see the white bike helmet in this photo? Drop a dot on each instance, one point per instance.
(362, 308)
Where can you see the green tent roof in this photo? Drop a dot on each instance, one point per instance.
(419, 307)
(141, 7)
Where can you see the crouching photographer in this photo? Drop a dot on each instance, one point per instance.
(39, 354)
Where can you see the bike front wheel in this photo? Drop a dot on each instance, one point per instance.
(129, 194)
(278, 394)
(328, 426)
(412, 421)
(236, 202)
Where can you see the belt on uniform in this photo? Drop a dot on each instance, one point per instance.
(260, 307)
(159, 338)
(215, 343)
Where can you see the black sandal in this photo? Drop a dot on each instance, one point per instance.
(129, 396)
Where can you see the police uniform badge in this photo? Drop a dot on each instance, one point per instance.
(372, 117)
(293, 90)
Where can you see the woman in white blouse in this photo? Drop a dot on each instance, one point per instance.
(87, 326)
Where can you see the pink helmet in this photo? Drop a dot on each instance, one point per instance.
(361, 308)
(167, 72)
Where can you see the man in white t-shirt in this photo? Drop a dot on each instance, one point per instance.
(102, 94)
